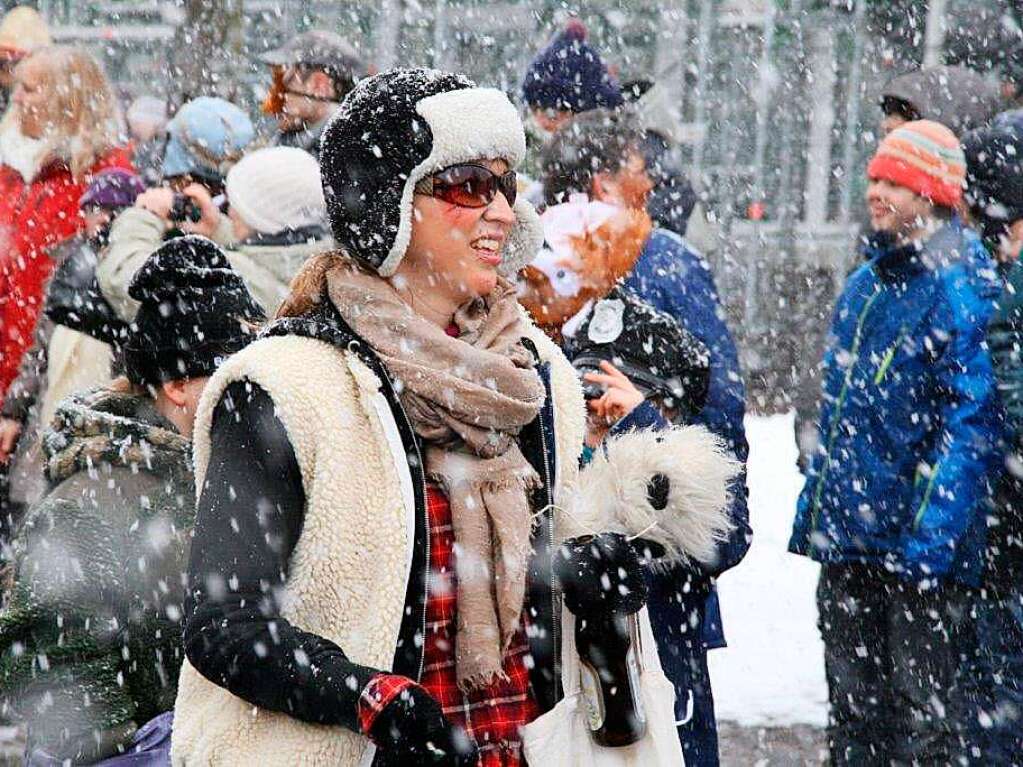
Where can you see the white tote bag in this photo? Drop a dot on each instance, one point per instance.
(561, 737)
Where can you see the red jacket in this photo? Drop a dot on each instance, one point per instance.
(33, 218)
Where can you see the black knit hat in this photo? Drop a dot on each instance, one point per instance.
(658, 355)
(396, 128)
(195, 312)
(994, 174)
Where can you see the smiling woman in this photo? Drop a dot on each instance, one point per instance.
(402, 409)
(455, 249)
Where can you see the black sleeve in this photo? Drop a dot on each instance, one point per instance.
(74, 297)
(249, 518)
(694, 376)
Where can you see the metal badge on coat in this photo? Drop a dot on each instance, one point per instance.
(606, 324)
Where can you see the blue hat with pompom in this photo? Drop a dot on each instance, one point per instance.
(569, 75)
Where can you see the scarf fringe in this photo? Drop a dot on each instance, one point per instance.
(525, 479)
(481, 680)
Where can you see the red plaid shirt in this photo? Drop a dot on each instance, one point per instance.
(492, 716)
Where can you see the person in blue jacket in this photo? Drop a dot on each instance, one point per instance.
(993, 717)
(600, 156)
(896, 493)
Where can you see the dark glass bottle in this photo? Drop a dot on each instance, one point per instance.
(609, 651)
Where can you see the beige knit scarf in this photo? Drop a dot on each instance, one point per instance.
(468, 398)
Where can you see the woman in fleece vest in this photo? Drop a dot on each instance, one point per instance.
(377, 476)
(401, 410)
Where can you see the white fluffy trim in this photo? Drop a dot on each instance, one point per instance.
(525, 238)
(471, 124)
(612, 493)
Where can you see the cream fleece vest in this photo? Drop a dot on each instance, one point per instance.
(349, 570)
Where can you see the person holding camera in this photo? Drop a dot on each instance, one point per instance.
(90, 640)
(75, 340)
(206, 137)
(270, 218)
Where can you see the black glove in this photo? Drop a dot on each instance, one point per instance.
(412, 730)
(600, 574)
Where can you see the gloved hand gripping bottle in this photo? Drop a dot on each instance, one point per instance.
(603, 586)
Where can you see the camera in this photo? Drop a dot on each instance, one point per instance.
(592, 390)
(184, 208)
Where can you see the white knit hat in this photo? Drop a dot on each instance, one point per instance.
(277, 188)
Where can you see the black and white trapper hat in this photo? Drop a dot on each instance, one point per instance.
(396, 128)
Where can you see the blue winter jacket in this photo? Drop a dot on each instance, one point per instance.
(676, 279)
(684, 611)
(910, 419)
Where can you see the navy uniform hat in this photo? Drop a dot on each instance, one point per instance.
(569, 75)
(395, 129)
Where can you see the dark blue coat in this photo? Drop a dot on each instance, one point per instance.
(676, 279)
(683, 604)
(910, 420)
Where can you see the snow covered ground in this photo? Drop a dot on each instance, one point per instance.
(772, 672)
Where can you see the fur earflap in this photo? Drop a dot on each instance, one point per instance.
(670, 487)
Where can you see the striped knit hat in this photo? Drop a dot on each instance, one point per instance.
(923, 156)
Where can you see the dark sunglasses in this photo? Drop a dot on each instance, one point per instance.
(469, 185)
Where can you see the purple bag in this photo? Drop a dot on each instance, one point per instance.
(149, 748)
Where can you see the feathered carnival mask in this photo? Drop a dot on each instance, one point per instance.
(588, 247)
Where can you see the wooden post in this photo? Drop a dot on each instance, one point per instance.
(852, 114)
(441, 50)
(763, 102)
(706, 32)
(791, 87)
(387, 32)
(206, 48)
(672, 51)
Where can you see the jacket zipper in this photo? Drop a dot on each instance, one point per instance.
(839, 404)
(426, 522)
(555, 622)
(926, 501)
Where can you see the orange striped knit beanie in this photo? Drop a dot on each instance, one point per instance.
(923, 156)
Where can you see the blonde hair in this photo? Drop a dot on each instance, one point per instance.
(81, 114)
